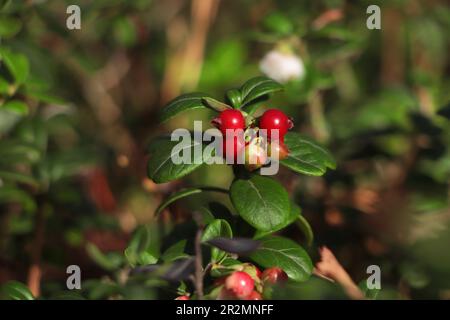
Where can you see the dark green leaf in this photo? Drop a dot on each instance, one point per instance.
(108, 261)
(258, 87)
(175, 252)
(17, 64)
(15, 290)
(18, 177)
(304, 225)
(183, 103)
(217, 228)
(162, 169)
(9, 26)
(235, 98)
(294, 214)
(182, 194)
(285, 254)
(143, 248)
(15, 195)
(216, 105)
(306, 156)
(261, 201)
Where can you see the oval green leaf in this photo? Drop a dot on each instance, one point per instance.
(217, 228)
(183, 103)
(306, 156)
(261, 201)
(285, 254)
(161, 167)
(15, 290)
(258, 87)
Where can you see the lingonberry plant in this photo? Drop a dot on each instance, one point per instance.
(261, 206)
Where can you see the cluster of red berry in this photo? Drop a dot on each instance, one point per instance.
(273, 120)
(247, 284)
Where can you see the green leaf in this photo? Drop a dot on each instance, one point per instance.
(304, 225)
(285, 254)
(9, 26)
(18, 177)
(15, 290)
(235, 98)
(370, 294)
(175, 252)
(183, 194)
(261, 201)
(278, 23)
(108, 261)
(17, 64)
(15, 195)
(183, 103)
(161, 167)
(16, 106)
(306, 156)
(217, 228)
(294, 214)
(143, 248)
(216, 105)
(258, 87)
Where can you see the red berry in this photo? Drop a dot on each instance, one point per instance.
(182, 298)
(229, 119)
(275, 119)
(240, 284)
(234, 145)
(255, 295)
(274, 275)
(258, 272)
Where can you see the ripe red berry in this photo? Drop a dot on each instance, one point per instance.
(229, 119)
(255, 295)
(275, 119)
(274, 275)
(239, 284)
(182, 298)
(234, 145)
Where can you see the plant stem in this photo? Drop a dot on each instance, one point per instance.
(198, 278)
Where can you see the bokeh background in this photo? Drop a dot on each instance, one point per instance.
(79, 107)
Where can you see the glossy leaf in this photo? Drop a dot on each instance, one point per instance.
(108, 261)
(183, 103)
(183, 194)
(217, 228)
(306, 156)
(285, 254)
(262, 202)
(258, 87)
(15, 290)
(143, 248)
(161, 167)
(216, 105)
(175, 252)
(294, 214)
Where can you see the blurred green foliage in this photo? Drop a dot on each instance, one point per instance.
(78, 108)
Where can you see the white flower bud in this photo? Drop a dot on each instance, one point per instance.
(282, 67)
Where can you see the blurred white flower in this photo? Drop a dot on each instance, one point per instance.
(282, 67)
